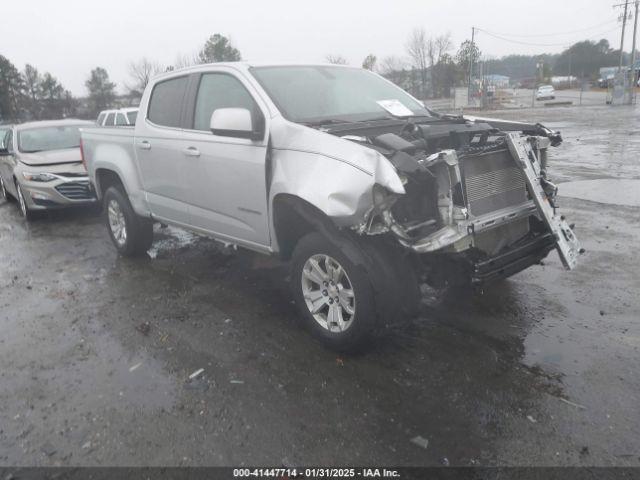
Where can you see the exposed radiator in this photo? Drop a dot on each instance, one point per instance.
(492, 181)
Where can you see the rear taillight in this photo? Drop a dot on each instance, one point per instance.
(82, 155)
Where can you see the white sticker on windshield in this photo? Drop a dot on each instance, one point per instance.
(395, 108)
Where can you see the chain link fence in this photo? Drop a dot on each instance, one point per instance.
(502, 98)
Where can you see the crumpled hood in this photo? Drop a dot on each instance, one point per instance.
(292, 136)
(51, 157)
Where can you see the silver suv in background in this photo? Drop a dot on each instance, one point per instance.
(366, 192)
(123, 117)
(41, 166)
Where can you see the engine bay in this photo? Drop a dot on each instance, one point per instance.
(464, 189)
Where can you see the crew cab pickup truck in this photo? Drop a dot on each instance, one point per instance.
(366, 191)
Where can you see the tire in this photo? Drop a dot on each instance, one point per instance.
(131, 234)
(4, 195)
(323, 270)
(28, 215)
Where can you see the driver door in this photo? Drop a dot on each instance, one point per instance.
(226, 174)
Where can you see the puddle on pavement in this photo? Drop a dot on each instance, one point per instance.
(169, 238)
(624, 192)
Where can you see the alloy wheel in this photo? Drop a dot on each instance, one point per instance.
(117, 223)
(328, 293)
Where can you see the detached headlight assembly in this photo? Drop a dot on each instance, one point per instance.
(38, 177)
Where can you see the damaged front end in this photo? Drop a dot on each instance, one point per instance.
(478, 205)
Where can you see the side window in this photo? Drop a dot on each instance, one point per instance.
(100, 119)
(110, 119)
(132, 117)
(220, 90)
(165, 106)
(6, 138)
(121, 120)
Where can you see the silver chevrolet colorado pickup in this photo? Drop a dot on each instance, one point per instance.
(366, 192)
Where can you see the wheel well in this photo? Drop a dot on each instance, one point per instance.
(293, 218)
(105, 179)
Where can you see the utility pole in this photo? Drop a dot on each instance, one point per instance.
(633, 48)
(624, 24)
(471, 51)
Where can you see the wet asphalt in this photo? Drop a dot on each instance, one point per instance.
(543, 369)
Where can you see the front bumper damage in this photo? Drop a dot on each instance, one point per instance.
(464, 220)
(527, 252)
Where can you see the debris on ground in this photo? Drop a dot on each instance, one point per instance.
(144, 328)
(577, 405)
(197, 373)
(133, 368)
(86, 445)
(420, 441)
(444, 461)
(339, 362)
(584, 451)
(48, 449)
(531, 419)
(239, 382)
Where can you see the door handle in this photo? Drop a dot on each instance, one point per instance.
(191, 152)
(144, 145)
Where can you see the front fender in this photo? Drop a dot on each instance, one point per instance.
(339, 190)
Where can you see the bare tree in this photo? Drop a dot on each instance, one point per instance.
(185, 60)
(141, 73)
(440, 75)
(369, 62)
(336, 59)
(421, 51)
(443, 45)
(393, 68)
(392, 63)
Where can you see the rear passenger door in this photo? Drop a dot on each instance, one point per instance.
(226, 174)
(159, 154)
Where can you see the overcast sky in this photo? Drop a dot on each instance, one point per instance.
(70, 37)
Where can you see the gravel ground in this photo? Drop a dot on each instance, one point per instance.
(96, 350)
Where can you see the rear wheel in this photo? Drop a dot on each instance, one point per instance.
(131, 234)
(332, 291)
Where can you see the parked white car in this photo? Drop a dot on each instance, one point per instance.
(123, 117)
(338, 170)
(545, 92)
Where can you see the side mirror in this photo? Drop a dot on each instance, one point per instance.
(234, 122)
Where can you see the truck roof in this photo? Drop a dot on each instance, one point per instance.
(52, 123)
(245, 65)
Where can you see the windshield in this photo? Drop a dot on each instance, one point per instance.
(132, 117)
(310, 94)
(49, 138)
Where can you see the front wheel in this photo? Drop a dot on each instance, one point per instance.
(131, 234)
(24, 208)
(332, 291)
(3, 191)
